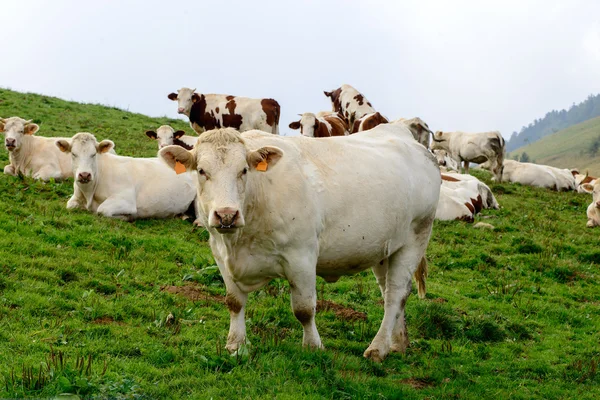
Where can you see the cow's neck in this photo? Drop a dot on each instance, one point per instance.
(88, 191)
(21, 158)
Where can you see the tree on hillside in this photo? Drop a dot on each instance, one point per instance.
(524, 157)
(594, 147)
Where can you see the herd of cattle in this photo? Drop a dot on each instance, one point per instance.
(294, 207)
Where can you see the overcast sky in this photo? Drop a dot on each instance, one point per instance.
(459, 65)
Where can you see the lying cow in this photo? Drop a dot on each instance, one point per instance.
(166, 136)
(543, 176)
(31, 155)
(311, 125)
(473, 147)
(419, 129)
(464, 180)
(124, 187)
(593, 210)
(210, 111)
(368, 121)
(268, 218)
(581, 179)
(458, 202)
(350, 103)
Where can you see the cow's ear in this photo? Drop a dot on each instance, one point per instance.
(173, 154)
(105, 146)
(264, 158)
(172, 96)
(152, 135)
(588, 187)
(30, 129)
(295, 125)
(178, 134)
(195, 98)
(328, 94)
(2, 124)
(575, 171)
(63, 145)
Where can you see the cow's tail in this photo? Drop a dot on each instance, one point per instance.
(421, 277)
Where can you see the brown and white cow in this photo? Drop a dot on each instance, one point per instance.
(581, 179)
(488, 199)
(30, 155)
(211, 111)
(593, 210)
(167, 136)
(290, 207)
(312, 125)
(349, 102)
(368, 121)
(538, 175)
(473, 147)
(419, 129)
(458, 201)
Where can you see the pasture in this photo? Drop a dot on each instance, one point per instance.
(100, 307)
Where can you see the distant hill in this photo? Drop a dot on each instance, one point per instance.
(575, 147)
(555, 121)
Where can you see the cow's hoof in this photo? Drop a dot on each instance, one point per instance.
(374, 355)
(198, 223)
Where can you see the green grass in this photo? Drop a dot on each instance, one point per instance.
(568, 148)
(134, 310)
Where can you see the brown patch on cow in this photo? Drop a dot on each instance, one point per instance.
(372, 121)
(231, 120)
(106, 320)
(304, 316)
(470, 207)
(192, 292)
(466, 218)
(360, 99)
(345, 313)
(335, 99)
(320, 129)
(355, 126)
(338, 125)
(186, 146)
(449, 178)
(202, 117)
(418, 383)
(477, 203)
(217, 110)
(369, 104)
(233, 303)
(230, 97)
(587, 179)
(272, 111)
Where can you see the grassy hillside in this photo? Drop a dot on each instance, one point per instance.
(569, 148)
(106, 308)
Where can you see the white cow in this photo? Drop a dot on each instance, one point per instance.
(419, 129)
(593, 210)
(291, 207)
(166, 136)
(473, 147)
(538, 175)
(451, 179)
(31, 155)
(124, 187)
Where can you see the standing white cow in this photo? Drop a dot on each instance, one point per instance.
(124, 187)
(473, 147)
(291, 207)
(31, 155)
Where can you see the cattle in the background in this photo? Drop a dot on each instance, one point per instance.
(124, 187)
(593, 210)
(31, 155)
(166, 136)
(293, 207)
(368, 121)
(581, 179)
(488, 199)
(473, 147)
(446, 162)
(311, 125)
(458, 203)
(350, 103)
(538, 175)
(210, 111)
(419, 129)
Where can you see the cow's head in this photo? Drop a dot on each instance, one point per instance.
(165, 135)
(14, 129)
(185, 98)
(594, 190)
(334, 96)
(440, 141)
(226, 168)
(308, 124)
(83, 148)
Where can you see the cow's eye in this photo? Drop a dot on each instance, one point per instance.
(201, 172)
(244, 171)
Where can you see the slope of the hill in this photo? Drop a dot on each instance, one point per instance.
(574, 147)
(102, 308)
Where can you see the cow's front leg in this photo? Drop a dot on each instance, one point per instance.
(466, 166)
(10, 170)
(77, 200)
(118, 207)
(47, 172)
(236, 303)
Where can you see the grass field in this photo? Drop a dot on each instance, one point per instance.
(568, 148)
(99, 307)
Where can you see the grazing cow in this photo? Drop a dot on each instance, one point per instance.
(419, 129)
(472, 147)
(446, 162)
(580, 179)
(210, 111)
(31, 155)
(311, 125)
(368, 121)
(291, 207)
(538, 175)
(124, 187)
(350, 103)
(593, 210)
(464, 180)
(460, 202)
(166, 136)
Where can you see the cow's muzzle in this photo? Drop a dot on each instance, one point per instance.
(10, 144)
(180, 110)
(84, 177)
(597, 205)
(226, 219)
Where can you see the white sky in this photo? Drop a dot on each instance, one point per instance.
(459, 65)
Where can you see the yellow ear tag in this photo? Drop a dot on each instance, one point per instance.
(262, 166)
(179, 168)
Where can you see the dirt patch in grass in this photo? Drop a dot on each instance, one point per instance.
(193, 292)
(439, 300)
(418, 383)
(106, 320)
(342, 312)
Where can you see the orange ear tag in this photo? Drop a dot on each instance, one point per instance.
(179, 168)
(262, 166)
